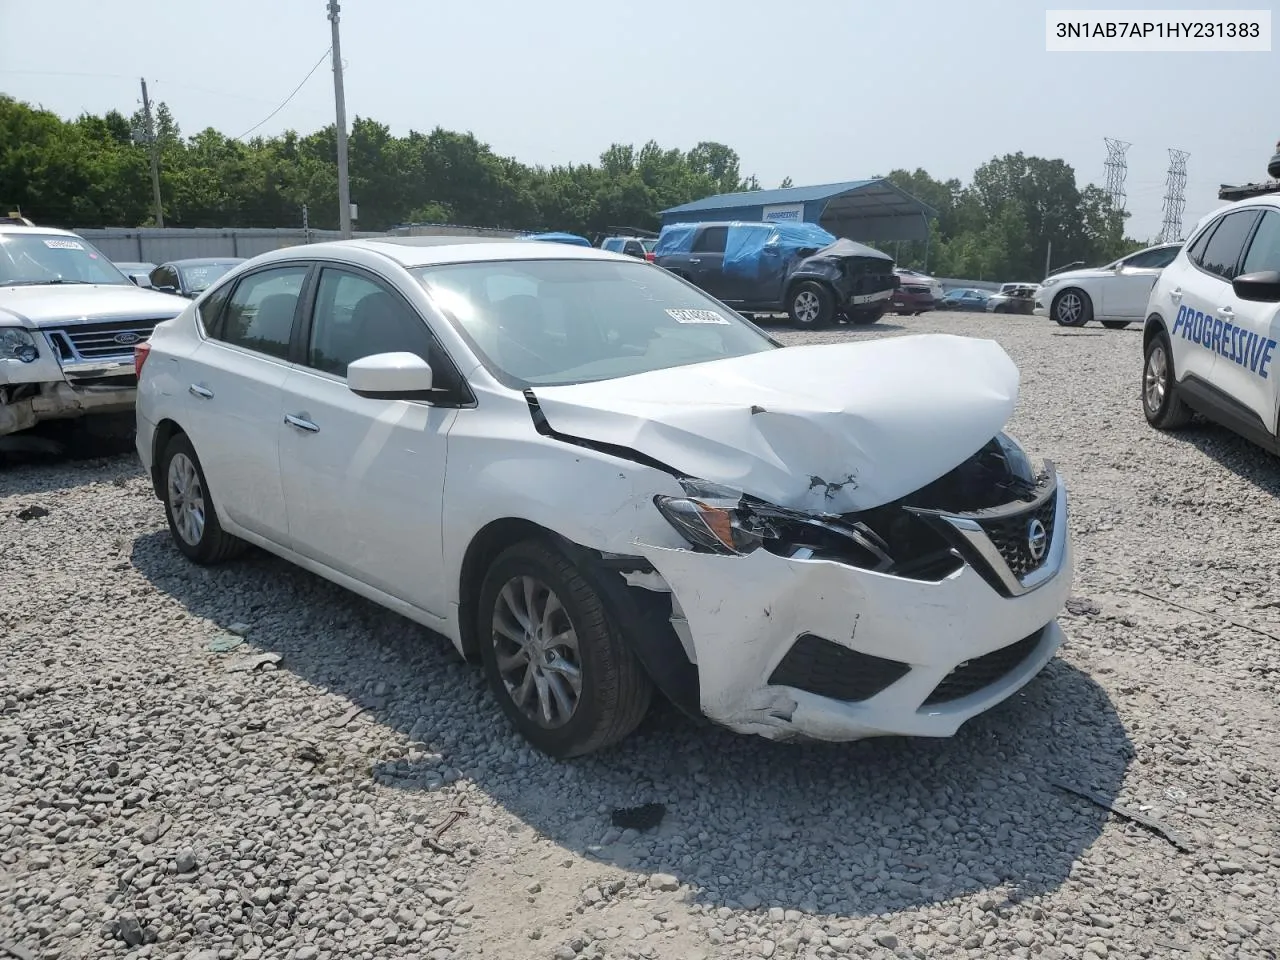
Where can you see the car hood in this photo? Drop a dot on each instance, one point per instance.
(823, 428)
(1084, 273)
(58, 303)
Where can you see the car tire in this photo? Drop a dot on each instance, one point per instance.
(1072, 308)
(1115, 324)
(811, 306)
(1164, 408)
(188, 505)
(535, 581)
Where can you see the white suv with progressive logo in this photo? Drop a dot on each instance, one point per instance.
(1213, 322)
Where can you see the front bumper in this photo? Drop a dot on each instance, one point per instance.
(915, 302)
(62, 401)
(819, 649)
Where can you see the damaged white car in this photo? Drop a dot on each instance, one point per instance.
(599, 481)
(69, 320)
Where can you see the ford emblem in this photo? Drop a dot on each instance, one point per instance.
(124, 339)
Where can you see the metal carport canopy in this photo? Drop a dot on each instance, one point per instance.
(856, 209)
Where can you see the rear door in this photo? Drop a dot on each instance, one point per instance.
(706, 263)
(234, 380)
(1246, 357)
(1125, 295)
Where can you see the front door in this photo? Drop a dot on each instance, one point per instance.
(1247, 361)
(1126, 294)
(364, 479)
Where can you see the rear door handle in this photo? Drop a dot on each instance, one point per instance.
(302, 423)
(204, 393)
(695, 259)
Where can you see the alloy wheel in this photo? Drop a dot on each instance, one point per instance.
(1070, 306)
(807, 306)
(537, 652)
(1155, 379)
(186, 499)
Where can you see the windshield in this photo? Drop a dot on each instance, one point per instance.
(37, 258)
(555, 322)
(198, 276)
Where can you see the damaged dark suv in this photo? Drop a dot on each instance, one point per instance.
(793, 268)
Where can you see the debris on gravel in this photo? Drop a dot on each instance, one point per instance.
(156, 803)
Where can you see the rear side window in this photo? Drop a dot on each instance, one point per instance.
(1264, 252)
(1227, 243)
(1195, 253)
(711, 240)
(259, 315)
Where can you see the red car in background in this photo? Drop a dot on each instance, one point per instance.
(916, 293)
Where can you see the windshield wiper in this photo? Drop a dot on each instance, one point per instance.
(41, 283)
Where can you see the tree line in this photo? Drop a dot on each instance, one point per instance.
(94, 171)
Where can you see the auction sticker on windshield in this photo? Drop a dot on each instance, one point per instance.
(64, 245)
(683, 315)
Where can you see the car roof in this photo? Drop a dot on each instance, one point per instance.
(37, 231)
(202, 261)
(431, 251)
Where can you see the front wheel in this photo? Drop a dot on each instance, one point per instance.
(193, 521)
(1115, 324)
(1072, 308)
(1164, 409)
(811, 306)
(558, 667)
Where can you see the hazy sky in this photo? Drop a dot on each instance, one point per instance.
(819, 91)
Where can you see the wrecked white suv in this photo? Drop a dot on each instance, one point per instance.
(599, 481)
(69, 320)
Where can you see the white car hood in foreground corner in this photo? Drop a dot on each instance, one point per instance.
(831, 428)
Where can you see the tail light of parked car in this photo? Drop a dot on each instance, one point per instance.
(140, 353)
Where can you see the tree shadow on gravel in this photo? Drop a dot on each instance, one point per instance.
(844, 830)
(1246, 460)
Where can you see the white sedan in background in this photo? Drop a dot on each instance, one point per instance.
(598, 481)
(1115, 294)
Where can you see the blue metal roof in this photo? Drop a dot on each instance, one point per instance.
(751, 198)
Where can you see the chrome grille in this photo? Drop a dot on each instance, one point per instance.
(101, 341)
(1009, 535)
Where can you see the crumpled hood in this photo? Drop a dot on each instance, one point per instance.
(58, 303)
(827, 428)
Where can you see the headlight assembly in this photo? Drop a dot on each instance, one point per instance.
(17, 344)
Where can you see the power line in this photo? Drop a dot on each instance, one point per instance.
(288, 98)
(1117, 170)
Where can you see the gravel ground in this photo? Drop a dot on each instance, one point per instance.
(164, 796)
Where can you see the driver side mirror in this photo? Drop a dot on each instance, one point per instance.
(390, 376)
(1260, 287)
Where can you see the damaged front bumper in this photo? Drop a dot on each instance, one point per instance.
(60, 401)
(795, 646)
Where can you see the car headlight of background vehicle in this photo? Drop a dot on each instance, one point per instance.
(1045, 284)
(17, 344)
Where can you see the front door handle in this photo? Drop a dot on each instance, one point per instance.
(204, 393)
(1176, 293)
(302, 423)
(695, 259)
(1226, 312)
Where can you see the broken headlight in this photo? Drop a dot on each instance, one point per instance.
(17, 344)
(718, 519)
(711, 517)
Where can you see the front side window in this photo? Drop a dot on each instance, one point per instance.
(1264, 252)
(554, 322)
(1152, 259)
(34, 259)
(357, 317)
(259, 315)
(1227, 243)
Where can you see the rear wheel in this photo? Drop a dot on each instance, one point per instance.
(558, 667)
(1072, 308)
(1163, 407)
(811, 306)
(1115, 324)
(193, 521)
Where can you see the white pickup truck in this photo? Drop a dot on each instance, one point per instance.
(69, 321)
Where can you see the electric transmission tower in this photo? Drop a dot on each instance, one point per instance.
(1175, 198)
(1117, 170)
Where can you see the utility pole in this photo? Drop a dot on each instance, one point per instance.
(155, 154)
(344, 185)
(1048, 259)
(306, 225)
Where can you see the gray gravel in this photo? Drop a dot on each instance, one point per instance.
(165, 794)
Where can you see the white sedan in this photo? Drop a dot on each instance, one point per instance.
(598, 481)
(1115, 294)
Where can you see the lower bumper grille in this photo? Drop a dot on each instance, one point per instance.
(827, 669)
(979, 673)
